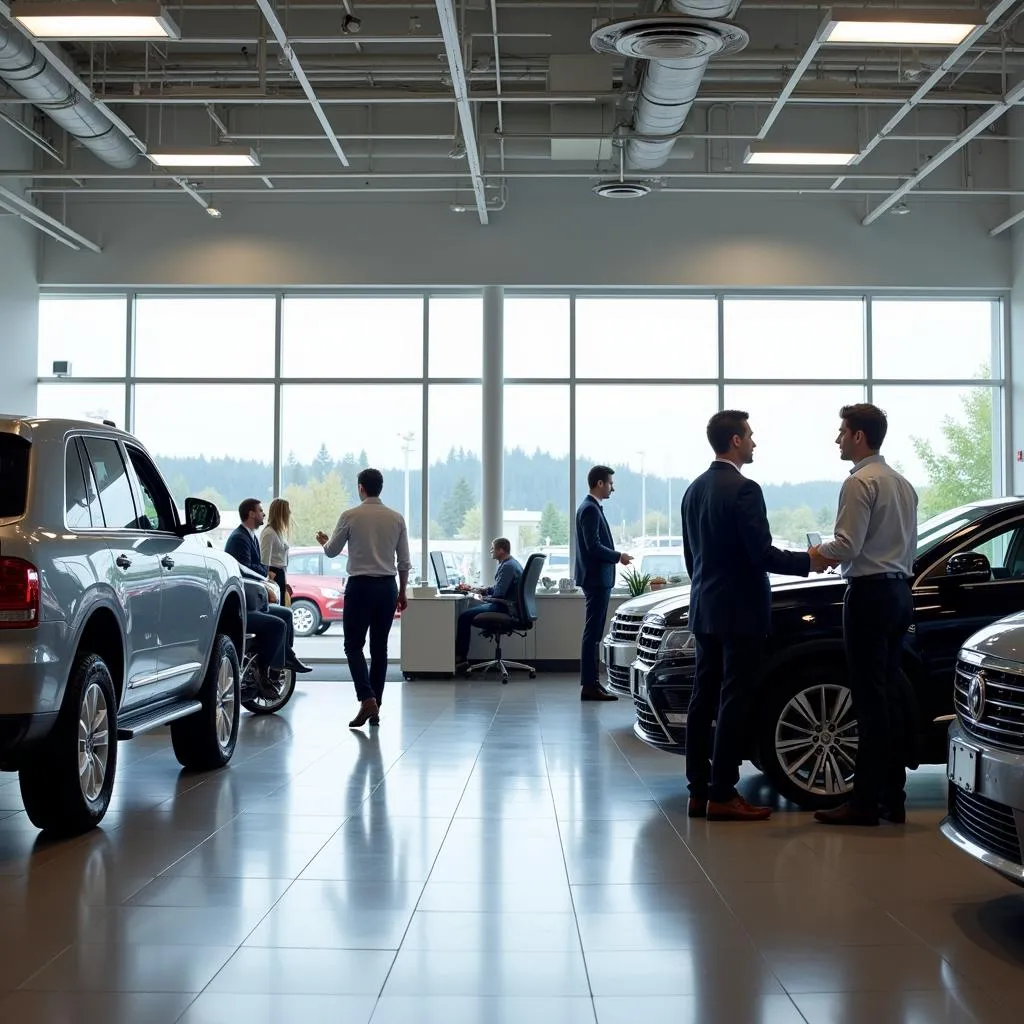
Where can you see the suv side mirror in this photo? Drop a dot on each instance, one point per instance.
(969, 567)
(201, 516)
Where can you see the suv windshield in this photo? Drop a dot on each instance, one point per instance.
(13, 475)
(939, 527)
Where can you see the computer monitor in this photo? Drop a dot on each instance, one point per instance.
(445, 571)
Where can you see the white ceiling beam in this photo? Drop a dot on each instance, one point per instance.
(44, 222)
(790, 86)
(453, 50)
(1007, 224)
(975, 128)
(286, 48)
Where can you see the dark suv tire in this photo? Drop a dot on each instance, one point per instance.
(206, 739)
(67, 781)
(807, 733)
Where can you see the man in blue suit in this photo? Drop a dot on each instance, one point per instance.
(596, 560)
(243, 546)
(728, 549)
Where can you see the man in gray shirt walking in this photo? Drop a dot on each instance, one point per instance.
(377, 541)
(874, 545)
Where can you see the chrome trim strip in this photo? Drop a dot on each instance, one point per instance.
(1007, 868)
(188, 668)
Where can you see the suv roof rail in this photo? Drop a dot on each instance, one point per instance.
(109, 423)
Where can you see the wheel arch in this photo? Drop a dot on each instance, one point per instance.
(102, 633)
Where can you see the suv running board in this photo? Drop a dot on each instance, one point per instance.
(152, 718)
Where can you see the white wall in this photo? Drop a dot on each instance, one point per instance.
(552, 233)
(19, 292)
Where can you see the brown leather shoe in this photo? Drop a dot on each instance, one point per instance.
(737, 809)
(366, 710)
(596, 693)
(848, 814)
(696, 808)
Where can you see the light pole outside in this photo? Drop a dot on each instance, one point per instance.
(407, 440)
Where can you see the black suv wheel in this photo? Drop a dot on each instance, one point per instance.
(207, 738)
(807, 735)
(67, 781)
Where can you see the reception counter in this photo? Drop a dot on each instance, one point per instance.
(553, 645)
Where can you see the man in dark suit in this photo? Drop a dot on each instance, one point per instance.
(596, 559)
(243, 546)
(728, 550)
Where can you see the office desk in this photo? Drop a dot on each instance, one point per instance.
(553, 645)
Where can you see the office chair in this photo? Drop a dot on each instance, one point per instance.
(518, 620)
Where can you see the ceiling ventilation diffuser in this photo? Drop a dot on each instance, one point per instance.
(619, 189)
(668, 37)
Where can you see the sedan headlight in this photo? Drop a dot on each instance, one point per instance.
(329, 592)
(677, 643)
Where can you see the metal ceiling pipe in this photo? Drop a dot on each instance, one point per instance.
(26, 71)
(668, 90)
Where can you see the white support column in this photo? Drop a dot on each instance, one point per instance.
(1013, 406)
(493, 454)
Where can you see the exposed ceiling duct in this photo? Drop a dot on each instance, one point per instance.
(678, 44)
(28, 72)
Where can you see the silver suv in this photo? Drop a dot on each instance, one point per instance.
(986, 749)
(114, 618)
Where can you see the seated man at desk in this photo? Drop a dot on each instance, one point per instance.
(498, 598)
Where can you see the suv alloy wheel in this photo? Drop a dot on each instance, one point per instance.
(66, 783)
(206, 739)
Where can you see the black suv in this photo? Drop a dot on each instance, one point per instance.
(969, 571)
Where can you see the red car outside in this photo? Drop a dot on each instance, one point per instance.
(318, 589)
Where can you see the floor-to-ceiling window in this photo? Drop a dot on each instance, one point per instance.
(263, 393)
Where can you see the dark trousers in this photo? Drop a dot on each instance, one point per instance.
(285, 615)
(370, 603)
(597, 599)
(727, 672)
(270, 634)
(876, 616)
(280, 577)
(462, 631)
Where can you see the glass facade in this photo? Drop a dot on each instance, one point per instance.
(272, 393)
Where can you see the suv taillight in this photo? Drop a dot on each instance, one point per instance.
(19, 594)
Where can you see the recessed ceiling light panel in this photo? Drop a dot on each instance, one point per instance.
(132, 19)
(198, 156)
(874, 26)
(799, 158)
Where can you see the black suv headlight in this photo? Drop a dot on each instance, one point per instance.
(677, 643)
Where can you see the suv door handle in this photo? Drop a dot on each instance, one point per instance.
(123, 561)
(167, 562)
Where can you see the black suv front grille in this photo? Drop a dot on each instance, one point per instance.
(1002, 715)
(646, 720)
(618, 678)
(989, 824)
(626, 627)
(649, 641)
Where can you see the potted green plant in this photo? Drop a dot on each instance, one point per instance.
(636, 583)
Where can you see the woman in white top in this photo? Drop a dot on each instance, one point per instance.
(274, 541)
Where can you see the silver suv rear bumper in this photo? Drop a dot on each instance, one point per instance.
(32, 675)
(982, 823)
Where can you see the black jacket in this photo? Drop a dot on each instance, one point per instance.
(245, 549)
(728, 549)
(596, 558)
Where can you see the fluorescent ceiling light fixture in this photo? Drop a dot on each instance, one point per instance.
(113, 21)
(896, 27)
(211, 156)
(799, 158)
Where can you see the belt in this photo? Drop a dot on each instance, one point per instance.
(877, 577)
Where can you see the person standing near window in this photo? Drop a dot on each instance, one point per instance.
(274, 543)
(596, 559)
(378, 546)
(874, 545)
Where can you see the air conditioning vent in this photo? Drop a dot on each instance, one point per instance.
(668, 37)
(623, 189)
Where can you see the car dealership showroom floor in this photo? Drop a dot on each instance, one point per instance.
(499, 854)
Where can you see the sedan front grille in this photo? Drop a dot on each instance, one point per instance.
(618, 678)
(987, 823)
(1002, 710)
(649, 641)
(646, 720)
(626, 627)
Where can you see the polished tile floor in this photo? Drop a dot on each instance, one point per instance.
(493, 854)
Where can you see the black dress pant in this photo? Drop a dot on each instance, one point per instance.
(271, 635)
(597, 599)
(727, 672)
(370, 603)
(876, 616)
